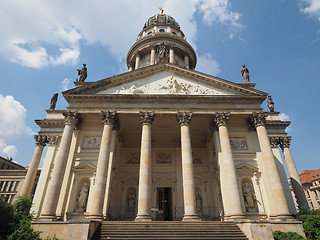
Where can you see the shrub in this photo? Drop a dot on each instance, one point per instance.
(6, 219)
(278, 235)
(311, 227)
(24, 231)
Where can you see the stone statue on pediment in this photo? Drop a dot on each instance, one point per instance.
(82, 73)
(245, 74)
(53, 101)
(270, 103)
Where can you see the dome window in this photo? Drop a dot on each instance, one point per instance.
(174, 33)
(149, 33)
(162, 30)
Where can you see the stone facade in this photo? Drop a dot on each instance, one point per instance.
(163, 142)
(310, 180)
(12, 178)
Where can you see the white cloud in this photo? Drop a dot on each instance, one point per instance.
(65, 84)
(114, 24)
(12, 123)
(284, 117)
(10, 151)
(208, 65)
(311, 7)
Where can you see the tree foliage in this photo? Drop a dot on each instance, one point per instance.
(278, 235)
(310, 222)
(6, 219)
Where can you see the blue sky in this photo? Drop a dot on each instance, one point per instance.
(43, 43)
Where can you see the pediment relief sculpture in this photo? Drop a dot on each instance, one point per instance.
(169, 85)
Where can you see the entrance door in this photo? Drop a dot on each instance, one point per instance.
(164, 204)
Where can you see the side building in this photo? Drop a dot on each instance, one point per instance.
(12, 176)
(310, 180)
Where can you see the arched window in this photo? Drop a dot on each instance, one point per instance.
(162, 30)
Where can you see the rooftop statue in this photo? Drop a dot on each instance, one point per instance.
(82, 73)
(245, 74)
(270, 103)
(161, 9)
(53, 101)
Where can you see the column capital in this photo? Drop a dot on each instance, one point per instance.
(258, 119)
(285, 142)
(41, 140)
(110, 118)
(146, 117)
(184, 118)
(274, 141)
(53, 140)
(221, 119)
(71, 118)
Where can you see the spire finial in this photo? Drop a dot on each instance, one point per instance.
(161, 9)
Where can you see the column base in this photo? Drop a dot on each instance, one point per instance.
(143, 218)
(284, 218)
(187, 218)
(97, 217)
(234, 217)
(48, 217)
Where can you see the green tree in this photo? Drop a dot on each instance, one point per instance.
(310, 222)
(6, 219)
(22, 220)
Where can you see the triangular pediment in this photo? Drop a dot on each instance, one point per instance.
(84, 167)
(167, 83)
(164, 177)
(164, 79)
(245, 167)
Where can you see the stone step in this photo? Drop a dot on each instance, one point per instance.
(168, 230)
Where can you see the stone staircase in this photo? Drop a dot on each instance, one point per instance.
(168, 230)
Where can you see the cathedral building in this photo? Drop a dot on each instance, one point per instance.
(163, 142)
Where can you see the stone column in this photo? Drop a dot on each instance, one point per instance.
(109, 120)
(228, 177)
(145, 174)
(106, 204)
(55, 183)
(171, 54)
(186, 61)
(189, 197)
(293, 173)
(41, 141)
(153, 54)
(137, 66)
(258, 120)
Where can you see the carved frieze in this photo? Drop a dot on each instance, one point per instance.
(184, 118)
(91, 143)
(164, 158)
(133, 158)
(238, 143)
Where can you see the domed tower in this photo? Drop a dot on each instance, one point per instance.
(161, 40)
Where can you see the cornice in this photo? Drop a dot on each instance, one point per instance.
(50, 123)
(277, 124)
